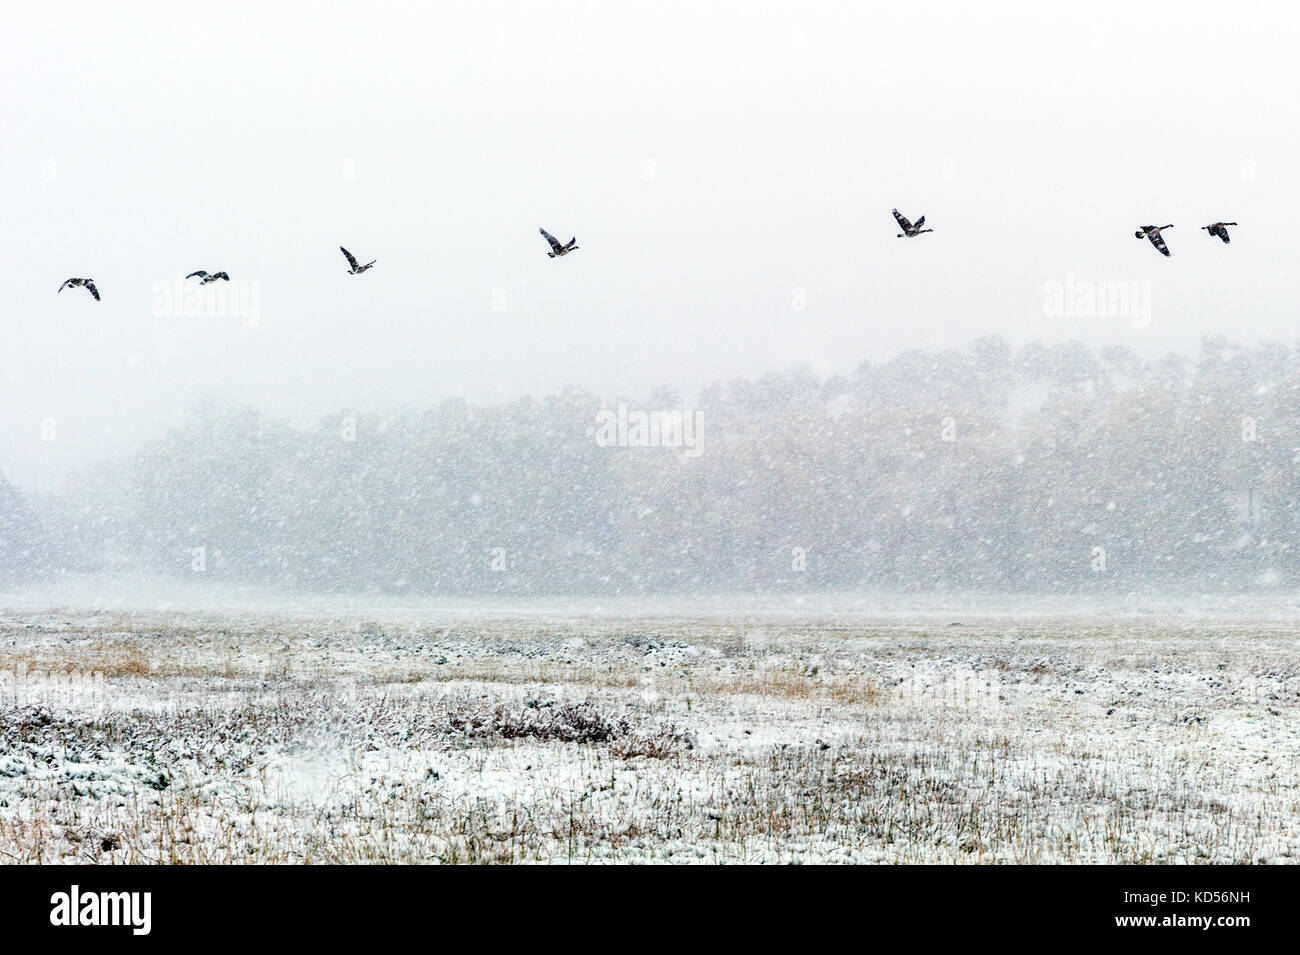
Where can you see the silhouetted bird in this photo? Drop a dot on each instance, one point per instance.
(88, 284)
(356, 269)
(1152, 232)
(205, 278)
(909, 230)
(1218, 229)
(556, 248)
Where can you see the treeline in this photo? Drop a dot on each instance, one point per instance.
(25, 546)
(1050, 469)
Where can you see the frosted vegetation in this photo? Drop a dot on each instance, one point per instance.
(229, 738)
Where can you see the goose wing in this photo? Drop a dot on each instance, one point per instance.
(1158, 242)
(902, 221)
(90, 287)
(351, 259)
(200, 273)
(555, 243)
(1222, 231)
(221, 275)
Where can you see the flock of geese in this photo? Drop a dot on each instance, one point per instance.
(1151, 232)
(910, 231)
(354, 267)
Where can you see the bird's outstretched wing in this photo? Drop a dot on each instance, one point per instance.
(351, 260)
(65, 284)
(902, 221)
(200, 273)
(1222, 231)
(90, 287)
(221, 275)
(919, 222)
(1158, 241)
(555, 243)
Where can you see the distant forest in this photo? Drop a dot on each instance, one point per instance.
(1050, 469)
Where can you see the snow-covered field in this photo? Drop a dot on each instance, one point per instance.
(182, 736)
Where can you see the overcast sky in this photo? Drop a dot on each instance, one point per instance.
(720, 164)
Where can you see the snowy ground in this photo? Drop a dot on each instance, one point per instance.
(777, 738)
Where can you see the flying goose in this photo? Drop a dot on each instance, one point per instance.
(205, 278)
(556, 248)
(1219, 230)
(1152, 232)
(356, 269)
(88, 284)
(909, 230)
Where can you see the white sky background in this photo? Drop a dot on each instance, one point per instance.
(1034, 139)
